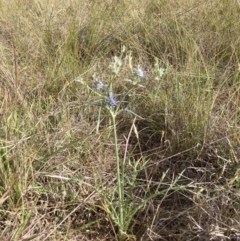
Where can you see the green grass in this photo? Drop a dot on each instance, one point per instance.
(61, 157)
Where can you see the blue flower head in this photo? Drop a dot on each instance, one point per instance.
(138, 72)
(111, 101)
(99, 85)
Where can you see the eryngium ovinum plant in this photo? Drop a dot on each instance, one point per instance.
(120, 203)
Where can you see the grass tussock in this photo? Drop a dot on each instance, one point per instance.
(166, 167)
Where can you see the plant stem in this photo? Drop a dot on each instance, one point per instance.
(120, 175)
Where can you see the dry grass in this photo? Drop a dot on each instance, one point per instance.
(49, 148)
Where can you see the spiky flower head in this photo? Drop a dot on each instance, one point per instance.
(138, 72)
(99, 85)
(111, 101)
(115, 65)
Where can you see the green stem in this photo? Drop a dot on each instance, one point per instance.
(120, 175)
(99, 119)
